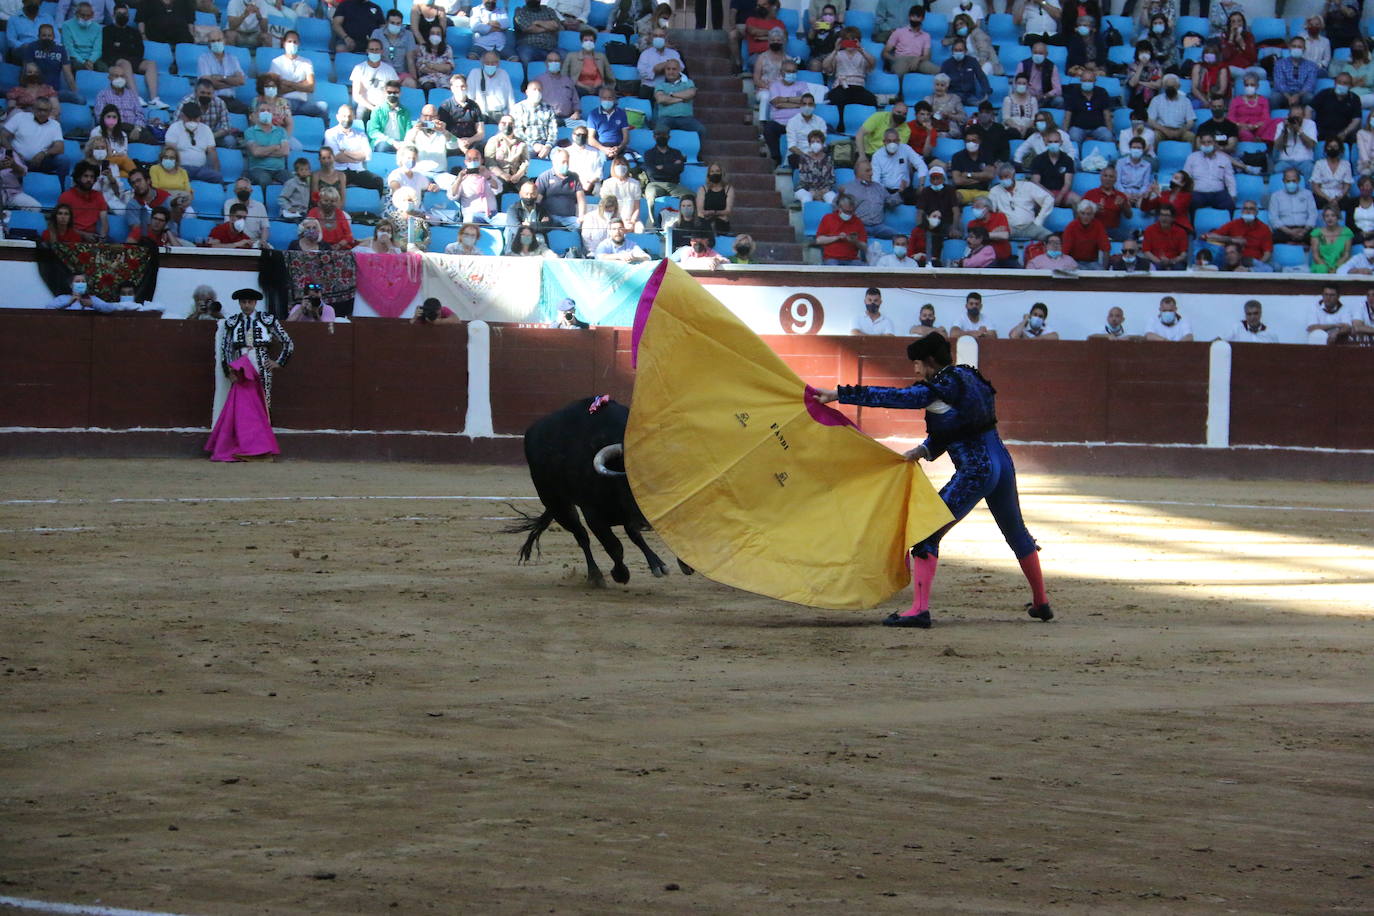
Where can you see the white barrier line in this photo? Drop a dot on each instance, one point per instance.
(247, 499)
(1177, 502)
(79, 909)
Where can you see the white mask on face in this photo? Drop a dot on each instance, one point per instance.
(816, 146)
(239, 224)
(589, 45)
(118, 82)
(99, 154)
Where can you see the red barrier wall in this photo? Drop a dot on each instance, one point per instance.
(1302, 395)
(122, 372)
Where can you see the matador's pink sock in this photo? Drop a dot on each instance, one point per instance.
(1030, 565)
(922, 575)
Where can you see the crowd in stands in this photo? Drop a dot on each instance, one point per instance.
(539, 130)
(1045, 136)
(1055, 136)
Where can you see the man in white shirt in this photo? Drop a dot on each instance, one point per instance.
(973, 323)
(1294, 143)
(351, 151)
(1330, 319)
(900, 259)
(195, 143)
(1034, 325)
(873, 323)
(247, 22)
(1252, 329)
(800, 126)
(38, 138)
(223, 71)
(489, 21)
(1025, 204)
(369, 78)
(898, 168)
(405, 175)
(431, 140)
(490, 87)
(573, 14)
(1362, 261)
(1169, 324)
(257, 221)
(297, 77)
(652, 60)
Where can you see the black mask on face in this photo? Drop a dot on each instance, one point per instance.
(927, 322)
(121, 18)
(974, 311)
(243, 194)
(744, 249)
(775, 46)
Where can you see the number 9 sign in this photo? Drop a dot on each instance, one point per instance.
(801, 313)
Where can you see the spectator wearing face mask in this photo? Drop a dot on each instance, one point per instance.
(1087, 108)
(233, 232)
(1295, 142)
(53, 62)
(908, 253)
(1165, 243)
(490, 87)
(1294, 79)
(1042, 75)
(848, 67)
(1115, 327)
(370, 77)
(1170, 114)
(995, 227)
(1169, 325)
(397, 45)
(507, 155)
(466, 245)
(700, 253)
(1292, 211)
(869, 138)
(976, 42)
(1020, 107)
(1210, 76)
(1111, 204)
(557, 87)
(1037, 20)
(1213, 175)
(872, 323)
(1329, 244)
(1336, 110)
(295, 192)
(431, 140)
(561, 192)
(462, 116)
(1034, 325)
(899, 170)
(823, 33)
(1025, 204)
(815, 172)
(388, 125)
(475, 190)
(296, 76)
(1249, 111)
(258, 223)
(585, 160)
(1087, 48)
(1362, 261)
(782, 104)
(967, 80)
(925, 323)
(841, 235)
(195, 145)
(1331, 319)
(768, 67)
(1249, 232)
(628, 194)
(971, 170)
(1053, 170)
(744, 249)
(432, 61)
(907, 49)
(489, 22)
(972, 323)
(608, 125)
(1144, 79)
(618, 247)
(81, 299)
(1129, 260)
(1053, 257)
(588, 68)
(1331, 176)
(1360, 67)
(1085, 239)
(313, 308)
(938, 212)
(653, 61)
(1135, 173)
(1039, 140)
(801, 128)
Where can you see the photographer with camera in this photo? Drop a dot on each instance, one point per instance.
(432, 312)
(313, 307)
(204, 305)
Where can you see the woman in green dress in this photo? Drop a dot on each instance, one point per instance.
(1329, 243)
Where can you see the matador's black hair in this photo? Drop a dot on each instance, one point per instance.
(932, 346)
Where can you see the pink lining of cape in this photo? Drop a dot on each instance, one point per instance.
(243, 429)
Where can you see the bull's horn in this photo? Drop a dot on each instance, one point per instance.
(608, 453)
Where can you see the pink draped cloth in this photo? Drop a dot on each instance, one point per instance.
(243, 429)
(389, 282)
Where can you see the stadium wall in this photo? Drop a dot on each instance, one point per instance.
(97, 385)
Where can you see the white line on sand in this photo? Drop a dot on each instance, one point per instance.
(245, 499)
(78, 909)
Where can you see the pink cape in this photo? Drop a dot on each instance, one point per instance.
(243, 429)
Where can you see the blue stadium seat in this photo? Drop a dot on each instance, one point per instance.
(811, 76)
(916, 86)
(382, 163)
(999, 86)
(272, 195)
(187, 55)
(1186, 24)
(516, 71)
(324, 65)
(1121, 54)
(195, 229)
(158, 53)
(812, 213)
(1083, 182)
(1268, 29)
(560, 240)
(830, 115)
(1059, 219)
(1192, 55)
(440, 237)
(625, 72)
(651, 242)
(344, 62)
(725, 245)
(1107, 150)
(1059, 55)
(412, 100)
(460, 40)
(1172, 155)
(883, 83)
(281, 233)
(89, 83)
(359, 200)
(9, 75)
(642, 139)
(230, 164)
(902, 218)
(863, 20)
(76, 121)
(937, 24)
(688, 143)
(1249, 187)
(693, 176)
(1289, 256)
(42, 187)
(1121, 119)
(1002, 30)
(538, 167)
(245, 59)
(310, 131)
(209, 196)
(568, 40)
(946, 147)
(333, 95)
(791, 19)
(491, 241)
(1123, 24)
(537, 68)
(314, 34)
(1207, 219)
(28, 219)
(1011, 56)
(173, 88)
(855, 116)
(952, 250)
(600, 15)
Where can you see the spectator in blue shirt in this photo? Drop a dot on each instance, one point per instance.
(53, 62)
(267, 149)
(966, 77)
(82, 37)
(673, 95)
(610, 126)
(22, 28)
(1295, 77)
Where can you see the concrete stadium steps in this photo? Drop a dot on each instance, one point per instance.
(732, 140)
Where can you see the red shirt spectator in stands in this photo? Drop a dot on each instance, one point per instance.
(1111, 204)
(1249, 231)
(1085, 239)
(89, 210)
(981, 214)
(924, 131)
(232, 233)
(1165, 243)
(60, 227)
(155, 232)
(841, 235)
(336, 229)
(1178, 195)
(757, 26)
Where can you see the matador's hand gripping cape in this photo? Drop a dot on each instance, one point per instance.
(750, 480)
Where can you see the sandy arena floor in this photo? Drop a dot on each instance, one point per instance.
(365, 706)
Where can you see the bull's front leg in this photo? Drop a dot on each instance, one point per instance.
(619, 571)
(656, 566)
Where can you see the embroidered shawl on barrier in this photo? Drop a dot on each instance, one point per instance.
(486, 288)
(105, 267)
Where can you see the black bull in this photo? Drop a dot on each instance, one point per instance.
(576, 459)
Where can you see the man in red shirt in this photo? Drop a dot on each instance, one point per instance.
(1165, 244)
(841, 235)
(1112, 205)
(981, 214)
(757, 26)
(155, 232)
(1085, 239)
(90, 217)
(1249, 232)
(232, 233)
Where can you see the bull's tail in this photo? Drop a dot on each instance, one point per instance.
(535, 525)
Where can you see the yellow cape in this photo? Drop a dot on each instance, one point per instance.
(746, 477)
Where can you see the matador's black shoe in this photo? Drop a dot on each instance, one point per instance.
(920, 621)
(1040, 611)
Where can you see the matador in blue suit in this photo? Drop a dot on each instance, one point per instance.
(961, 419)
